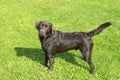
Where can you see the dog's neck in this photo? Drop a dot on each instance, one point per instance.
(44, 38)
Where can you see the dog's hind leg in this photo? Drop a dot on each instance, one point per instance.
(86, 51)
(88, 58)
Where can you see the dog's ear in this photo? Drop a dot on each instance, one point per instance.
(52, 27)
(37, 24)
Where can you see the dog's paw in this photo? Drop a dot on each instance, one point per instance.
(92, 72)
(50, 68)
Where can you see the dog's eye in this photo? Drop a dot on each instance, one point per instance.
(46, 26)
(42, 24)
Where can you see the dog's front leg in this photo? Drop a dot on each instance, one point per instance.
(46, 60)
(51, 60)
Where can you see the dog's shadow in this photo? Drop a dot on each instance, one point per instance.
(37, 54)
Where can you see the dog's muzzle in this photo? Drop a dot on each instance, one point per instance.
(42, 33)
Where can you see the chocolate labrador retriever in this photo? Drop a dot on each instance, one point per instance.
(54, 41)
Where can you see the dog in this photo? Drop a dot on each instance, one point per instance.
(54, 41)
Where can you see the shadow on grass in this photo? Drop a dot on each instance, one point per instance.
(37, 54)
(34, 54)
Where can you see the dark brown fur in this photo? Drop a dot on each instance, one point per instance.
(54, 41)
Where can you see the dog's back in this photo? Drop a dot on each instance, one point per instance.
(66, 41)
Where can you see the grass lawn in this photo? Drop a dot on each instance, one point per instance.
(21, 56)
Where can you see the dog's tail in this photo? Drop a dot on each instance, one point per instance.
(99, 29)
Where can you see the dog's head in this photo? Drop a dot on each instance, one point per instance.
(44, 28)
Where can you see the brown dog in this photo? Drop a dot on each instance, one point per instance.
(54, 41)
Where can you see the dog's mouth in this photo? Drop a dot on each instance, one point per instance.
(42, 34)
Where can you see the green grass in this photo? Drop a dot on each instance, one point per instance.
(21, 56)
